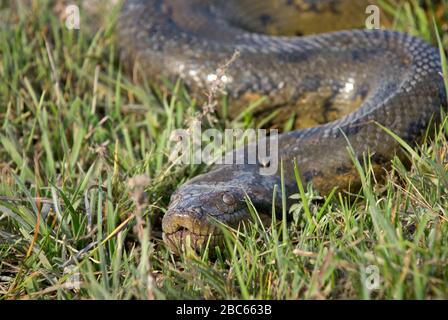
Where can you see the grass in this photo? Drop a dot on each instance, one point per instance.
(86, 151)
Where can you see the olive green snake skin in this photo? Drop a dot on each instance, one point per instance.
(340, 86)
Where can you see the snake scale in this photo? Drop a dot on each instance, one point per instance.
(340, 84)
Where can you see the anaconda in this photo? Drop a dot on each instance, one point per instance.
(341, 84)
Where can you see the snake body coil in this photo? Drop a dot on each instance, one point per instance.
(340, 85)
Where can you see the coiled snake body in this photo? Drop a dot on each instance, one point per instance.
(340, 85)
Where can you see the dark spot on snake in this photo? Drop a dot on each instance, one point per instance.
(311, 83)
(378, 158)
(349, 130)
(334, 7)
(361, 158)
(312, 6)
(356, 55)
(265, 19)
(309, 175)
(392, 86)
(343, 170)
(294, 57)
(328, 106)
(414, 129)
(361, 91)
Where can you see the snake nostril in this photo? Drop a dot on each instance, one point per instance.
(180, 222)
(182, 229)
(181, 226)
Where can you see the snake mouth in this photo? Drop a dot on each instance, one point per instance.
(188, 228)
(182, 229)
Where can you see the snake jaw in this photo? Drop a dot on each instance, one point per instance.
(194, 213)
(178, 240)
(176, 220)
(180, 231)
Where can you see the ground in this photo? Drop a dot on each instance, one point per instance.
(84, 149)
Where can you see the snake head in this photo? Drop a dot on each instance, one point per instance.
(196, 210)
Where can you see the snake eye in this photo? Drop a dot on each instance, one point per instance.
(228, 199)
